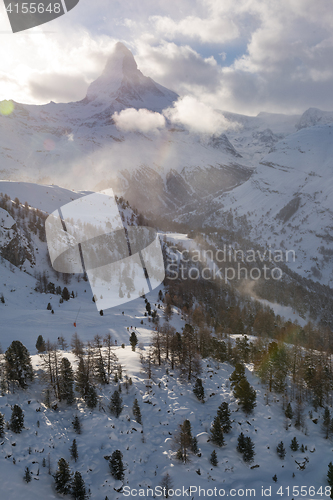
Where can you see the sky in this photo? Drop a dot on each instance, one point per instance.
(243, 56)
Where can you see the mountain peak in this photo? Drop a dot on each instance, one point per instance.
(314, 116)
(120, 54)
(123, 85)
(119, 63)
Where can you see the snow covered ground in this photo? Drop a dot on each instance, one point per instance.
(169, 401)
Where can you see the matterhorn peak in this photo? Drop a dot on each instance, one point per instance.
(120, 55)
(122, 85)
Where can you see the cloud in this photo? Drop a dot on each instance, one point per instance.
(197, 117)
(140, 120)
(58, 87)
(179, 68)
(276, 56)
(55, 61)
(212, 30)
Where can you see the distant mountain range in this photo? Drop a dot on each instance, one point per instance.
(273, 171)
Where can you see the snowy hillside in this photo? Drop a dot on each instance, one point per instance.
(164, 394)
(165, 402)
(149, 456)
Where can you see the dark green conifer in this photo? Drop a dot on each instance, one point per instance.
(280, 450)
(91, 397)
(224, 413)
(136, 411)
(294, 444)
(241, 443)
(78, 488)
(18, 364)
(116, 404)
(73, 450)
(40, 344)
(2, 425)
(198, 390)
(66, 381)
(213, 458)
(27, 475)
(77, 424)
(289, 411)
(216, 433)
(133, 340)
(62, 477)
(16, 420)
(116, 465)
(248, 452)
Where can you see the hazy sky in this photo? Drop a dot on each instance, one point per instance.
(238, 55)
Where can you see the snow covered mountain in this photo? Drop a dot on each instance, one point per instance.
(79, 145)
(274, 169)
(288, 201)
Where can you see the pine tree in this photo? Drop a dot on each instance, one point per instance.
(167, 484)
(82, 378)
(77, 345)
(133, 340)
(241, 443)
(136, 411)
(100, 372)
(116, 465)
(16, 420)
(294, 444)
(91, 397)
(27, 475)
(289, 412)
(194, 446)
(73, 450)
(248, 452)
(237, 375)
(274, 478)
(63, 477)
(2, 425)
(224, 413)
(116, 404)
(330, 475)
(77, 424)
(326, 421)
(78, 488)
(18, 364)
(40, 344)
(185, 440)
(65, 295)
(66, 381)
(280, 450)
(213, 458)
(49, 307)
(246, 395)
(216, 433)
(199, 390)
(47, 399)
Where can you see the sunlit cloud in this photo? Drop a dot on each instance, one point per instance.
(197, 117)
(142, 120)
